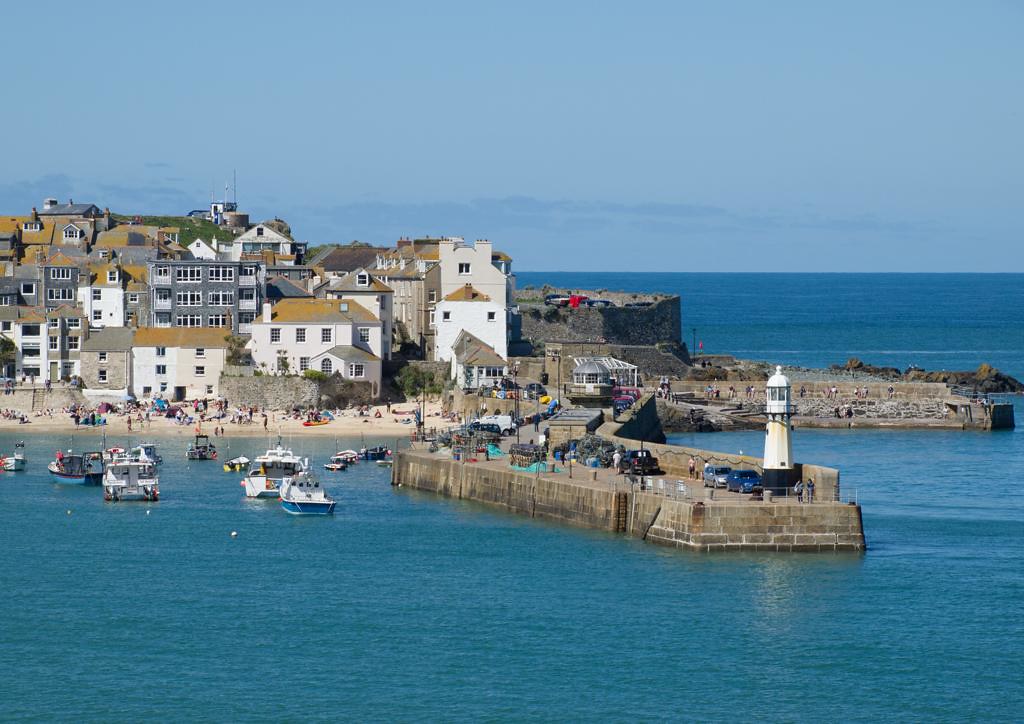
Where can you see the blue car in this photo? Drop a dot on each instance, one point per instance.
(742, 481)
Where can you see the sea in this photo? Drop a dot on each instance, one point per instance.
(408, 607)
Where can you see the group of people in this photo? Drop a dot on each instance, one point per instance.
(804, 492)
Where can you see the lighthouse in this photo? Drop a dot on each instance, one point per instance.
(778, 447)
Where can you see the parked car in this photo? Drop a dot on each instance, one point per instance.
(641, 462)
(489, 427)
(716, 476)
(535, 391)
(505, 423)
(600, 303)
(556, 300)
(633, 392)
(742, 481)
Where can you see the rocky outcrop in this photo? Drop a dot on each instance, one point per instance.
(985, 379)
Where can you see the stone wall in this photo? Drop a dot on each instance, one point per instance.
(660, 322)
(270, 392)
(29, 399)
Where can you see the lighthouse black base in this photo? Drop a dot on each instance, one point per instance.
(778, 482)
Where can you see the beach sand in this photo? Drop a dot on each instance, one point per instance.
(376, 430)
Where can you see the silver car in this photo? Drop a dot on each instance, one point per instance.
(716, 476)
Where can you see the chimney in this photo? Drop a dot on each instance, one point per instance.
(35, 214)
(266, 312)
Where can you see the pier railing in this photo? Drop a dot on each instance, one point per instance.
(974, 395)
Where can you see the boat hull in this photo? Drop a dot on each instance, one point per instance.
(308, 507)
(260, 488)
(14, 465)
(68, 479)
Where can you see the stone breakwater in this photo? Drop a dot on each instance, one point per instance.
(670, 516)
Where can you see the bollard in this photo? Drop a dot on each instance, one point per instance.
(593, 475)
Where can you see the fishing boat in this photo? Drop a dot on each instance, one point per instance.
(148, 451)
(347, 456)
(236, 465)
(337, 463)
(16, 461)
(303, 495)
(269, 469)
(374, 453)
(128, 477)
(77, 468)
(201, 449)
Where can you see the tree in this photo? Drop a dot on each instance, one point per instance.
(8, 353)
(413, 380)
(236, 349)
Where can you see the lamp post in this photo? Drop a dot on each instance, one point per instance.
(515, 391)
(693, 349)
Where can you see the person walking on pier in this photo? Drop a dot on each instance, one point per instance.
(798, 489)
(693, 468)
(617, 462)
(810, 490)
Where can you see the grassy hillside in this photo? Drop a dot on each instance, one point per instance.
(191, 228)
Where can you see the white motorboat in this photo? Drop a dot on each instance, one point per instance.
(268, 471)
(15, 462)
(303, 495)
(131, 478)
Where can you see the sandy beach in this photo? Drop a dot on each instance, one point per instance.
(376, 430)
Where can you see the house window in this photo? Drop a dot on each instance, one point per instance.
(217, 320)
(491, 316)
(111, 277)
(222, 299)
(97, 295)
(162, 272)
(209, 389)
(163, 320)
(53, 323)
(355, 370)
(103, 356)
(303, 364)
(188, 274)
(200, 352)
(28, 288)
(32, 226)
(60, 273)
(133, 298)
(54, 343)
(71, 232)
(161, 370)
(446, 316)
(300, 334)
(102, 375)
(161, 351)
(325, 334)
(222, 274)
(464, 268)
(363, 280)
(433, 317)
(275, 335)
(190, 299)
(163, 387)
(97, 315)
(325, 366)
(200, 371)
(364, 334)
(73, 343)
(104, 253)
(59, 295)
(259, 231)
(246, 295)
(432, 295)
(189, 320)
(74, 323)
(5, 326)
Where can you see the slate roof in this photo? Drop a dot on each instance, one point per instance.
(350, 258)
(109, 339)
(70, 210)
(351, 354)
(348, 283)
(471, 350)
(281, 288)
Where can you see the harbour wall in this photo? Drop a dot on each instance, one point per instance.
(618, 508)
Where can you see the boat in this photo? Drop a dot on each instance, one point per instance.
(201, 449)
(15, 462)
(303, 495)
(374, 453)
(314, 423)
(148, 451)
(385, 463)
(128, 477)
(236, 465)
(337, 463)
(77, 468)
(346, 456)
(270, 469)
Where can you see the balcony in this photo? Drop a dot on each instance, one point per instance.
(163, 280)
(247, 305)
(245, 328)
(161, 304)
(248, 280)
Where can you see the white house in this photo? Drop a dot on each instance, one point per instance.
(363, 288)
(201, 250)
(102, 297)
(476, 364)
(48, 342)
(177, 363)
(479, 265)
(333, 336)
(468, 309)
(256, 240)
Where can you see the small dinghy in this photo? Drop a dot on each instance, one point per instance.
(15, 462)
(303, 495)
(236, 465)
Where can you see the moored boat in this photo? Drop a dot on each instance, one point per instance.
(77, 468)
(131, 478)
(236, 465)
(16, 461)
(374, 453)
(303, 495)
(269, 469)
(201, 449)
(337, 463)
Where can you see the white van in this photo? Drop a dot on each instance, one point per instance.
(505, 422)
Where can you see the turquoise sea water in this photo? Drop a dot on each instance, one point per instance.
(407, 606)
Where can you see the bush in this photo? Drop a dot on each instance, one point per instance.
(551, 314)
(316, 375)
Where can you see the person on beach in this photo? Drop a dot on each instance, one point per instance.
(265, 422)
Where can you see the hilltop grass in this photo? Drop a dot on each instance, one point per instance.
(190, 228)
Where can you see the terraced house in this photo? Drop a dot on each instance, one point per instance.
(204, 293)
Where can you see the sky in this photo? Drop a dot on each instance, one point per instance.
(648, 136)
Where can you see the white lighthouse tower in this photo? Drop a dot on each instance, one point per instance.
(778, 447)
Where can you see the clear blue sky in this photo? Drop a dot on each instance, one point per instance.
(869, 136)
